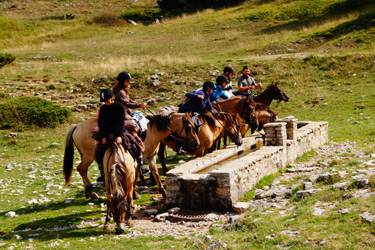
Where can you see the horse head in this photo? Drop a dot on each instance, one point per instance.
(119, 210)
(232, 126)
(279, 93)
(191, 132)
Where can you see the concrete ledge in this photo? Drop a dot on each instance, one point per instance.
(212, 183)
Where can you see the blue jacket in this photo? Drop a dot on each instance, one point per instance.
(218, 93)
(195, 104)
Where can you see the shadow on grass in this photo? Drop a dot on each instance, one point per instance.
(335, 10)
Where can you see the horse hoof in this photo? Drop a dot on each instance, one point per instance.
(94, 196)
(119, 230)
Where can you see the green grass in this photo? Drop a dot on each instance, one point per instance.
(65, 61)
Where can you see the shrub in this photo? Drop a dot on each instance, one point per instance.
(108, 20)
(26, 112)
(6, 58)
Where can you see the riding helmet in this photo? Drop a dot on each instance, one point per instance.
(123, 76)
(230, 69)
(105, 94)
(222, 78)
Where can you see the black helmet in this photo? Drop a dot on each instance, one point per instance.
(105, 94)
(207, 85)
(221, 78)
(123, 76)
(229, 69)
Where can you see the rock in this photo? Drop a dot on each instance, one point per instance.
(306, 193)
(318, 211)
(367, 217)
(129, 32)
(12, 135)
(364, 183)
(208, 239)
(216, 245)
(327, 177)
(155, 83)
(18, 237)
(241, 207)
(290, 233)
(60, 171)
(307, 185)
(341, 185)
(344, 211)
(132, 22)
(10, 214)
(211, 217)
(174, 210)
(161, 217)
(150, 212)
(69, 200)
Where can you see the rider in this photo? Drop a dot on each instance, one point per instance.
(199, 100)
(246, 83)
(221, 83)
(229, 72)
(111, 124)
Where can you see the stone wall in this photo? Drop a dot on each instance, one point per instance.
(188, 186)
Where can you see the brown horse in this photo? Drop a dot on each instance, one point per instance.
(273, 92)
(213, 126)
(119, 171)
(80, 135)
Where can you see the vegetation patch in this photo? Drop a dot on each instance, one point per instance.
(144, 15)
(108, 20)
(6, 58)
(26, 112)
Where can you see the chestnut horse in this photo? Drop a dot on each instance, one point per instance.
(273, 92)
(119, 171)
(80, 135)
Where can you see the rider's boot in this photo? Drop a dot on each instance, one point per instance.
(101, 177)
(143, 170)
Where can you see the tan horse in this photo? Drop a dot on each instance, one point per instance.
(119, 171)
(212, 127)
(80, 135)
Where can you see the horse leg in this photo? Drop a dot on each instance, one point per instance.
(107, 217)
(155, 172)
(82, 169)
(162, 157)
(135, 193)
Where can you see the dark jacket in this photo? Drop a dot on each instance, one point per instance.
(195, 104)
(111, 120)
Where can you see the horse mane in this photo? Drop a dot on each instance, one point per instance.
(222, 116)
(227, 118)
(209, 119)
(161, 121)
(117, 174)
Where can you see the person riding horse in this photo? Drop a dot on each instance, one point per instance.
(199, 100)
(246, 83)
(111, 124)
(229, 72)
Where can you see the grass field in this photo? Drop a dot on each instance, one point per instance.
(321, 53)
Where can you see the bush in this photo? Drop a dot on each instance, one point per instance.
(26, 112)
(108, 20)
(6, 58)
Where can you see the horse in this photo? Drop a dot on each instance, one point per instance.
(213, 126)
(119, 171)
(80, 135)
(273, 92)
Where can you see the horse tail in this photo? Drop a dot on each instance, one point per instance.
(69, 154)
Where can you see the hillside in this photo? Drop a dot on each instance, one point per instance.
(321, 53)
